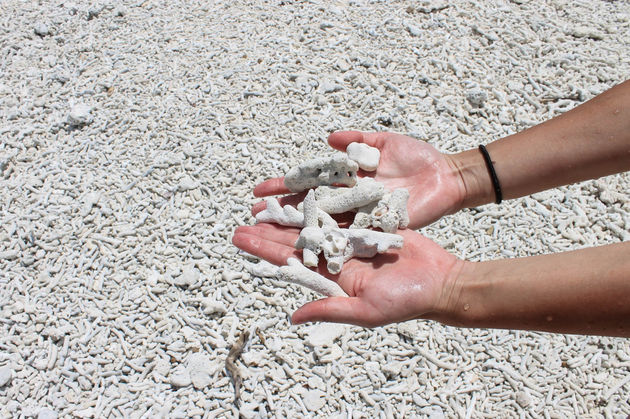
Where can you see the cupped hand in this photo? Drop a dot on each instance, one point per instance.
(434, 184)
(401, 284)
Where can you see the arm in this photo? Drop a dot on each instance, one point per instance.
(584, 291)
(590, 141)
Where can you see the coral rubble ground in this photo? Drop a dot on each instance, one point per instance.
(132, 134)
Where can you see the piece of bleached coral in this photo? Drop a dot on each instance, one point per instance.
(398, 202)
(324, 192)
(290, 216)
(335, 170)
(334, 247)
(366, 190)
(299, 274)
(389, 213)
(309, 258)
(274, 213)
(364, 243)
(340, 245)
(366, 157)
(332, 242)
(309, 209)
(362, 219)
(310, 241)
(80, 115)
(262, 269)
(324, 219)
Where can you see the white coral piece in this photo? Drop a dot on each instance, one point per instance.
(364, 243)
(389, 214)
(323, 219)
(309, 209)
(367, 157)
(292, 217)
(274, 213)
(326, 220)
(367, 190)
(299, 274)
(311, 219)
(262, 269)
(335, 170)
(340, 245)
(324, 192)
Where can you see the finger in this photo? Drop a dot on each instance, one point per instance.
(292, 200)
(271, 251)
(273, 186)
(273, 232)
(339, 140)
(350, 310)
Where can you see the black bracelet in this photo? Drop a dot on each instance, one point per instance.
(493, 175)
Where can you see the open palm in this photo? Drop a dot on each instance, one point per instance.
(399, 285)
(435, 188)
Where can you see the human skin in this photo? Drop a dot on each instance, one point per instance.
(398, 285)
(433, 182)
(590, 141)
(585, 291)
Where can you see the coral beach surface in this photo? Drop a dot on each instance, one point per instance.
(132, 134)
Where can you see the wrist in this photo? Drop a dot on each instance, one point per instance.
(474, 179)
(462, 301)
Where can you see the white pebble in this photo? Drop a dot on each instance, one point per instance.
(262, 269)
(5, 375)
(180, 378)
(9, 254)
(414, 30)
(80, 115)
(324, 334)
(190, 275)
(47, 413)
(329, 87)
(187, 183)
(523, 399)
(211, 306)
(230, 276)
(201, 370)
(476, 97)
(314, 400)
(367, 157)
(41, 29)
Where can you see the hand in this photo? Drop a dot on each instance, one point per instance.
(402, 284)
(434, 183)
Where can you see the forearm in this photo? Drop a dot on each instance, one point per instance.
(585, 291)
(590, 141)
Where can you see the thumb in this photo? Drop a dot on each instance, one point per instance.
(350, 310)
